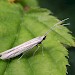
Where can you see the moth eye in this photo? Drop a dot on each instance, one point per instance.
(44, 38)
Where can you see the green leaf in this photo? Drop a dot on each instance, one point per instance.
(17, 26)
(10, 18)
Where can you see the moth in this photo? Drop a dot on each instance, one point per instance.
(15, 51)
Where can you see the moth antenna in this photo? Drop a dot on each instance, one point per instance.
(55, 25)
(66, 24)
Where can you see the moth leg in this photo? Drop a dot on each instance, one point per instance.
(21, 56)
(42, 49)
(36, 50)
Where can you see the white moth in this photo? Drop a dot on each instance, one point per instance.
(15, 51)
